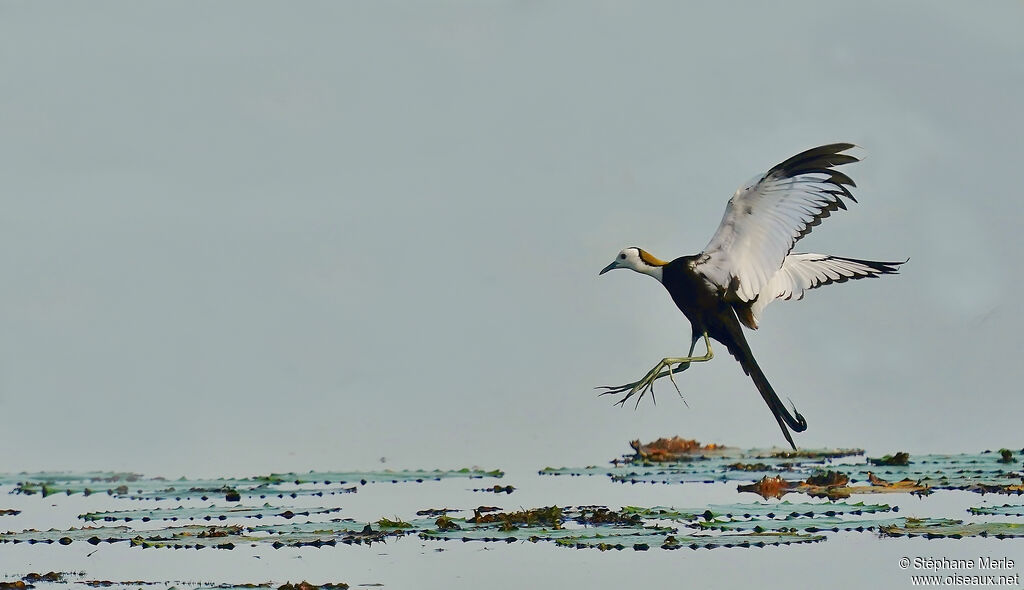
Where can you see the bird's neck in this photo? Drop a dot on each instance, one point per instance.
(652, 265)
(657, 272)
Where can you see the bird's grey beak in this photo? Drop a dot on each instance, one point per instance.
(612, 266)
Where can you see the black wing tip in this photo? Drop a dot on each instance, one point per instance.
(819, 159)
(881, 267)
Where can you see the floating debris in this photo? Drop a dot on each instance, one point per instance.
(832, 485)
(770, 487)
(673, 449)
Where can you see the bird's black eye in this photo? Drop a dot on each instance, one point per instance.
(622, 256)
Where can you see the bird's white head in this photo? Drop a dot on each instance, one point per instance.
(639, 260)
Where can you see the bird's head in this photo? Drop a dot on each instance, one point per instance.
(637, 259)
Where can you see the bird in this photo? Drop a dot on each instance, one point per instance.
(749, 263)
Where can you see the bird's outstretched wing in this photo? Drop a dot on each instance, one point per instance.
(801, 272)
(765, 217)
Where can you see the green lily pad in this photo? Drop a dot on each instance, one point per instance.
(212, 512)
(220, 537)
(978, 472)
(954, 529)
(808, 525)
(1004, 510)
(779, 510)
(135, 486)
(644, 542)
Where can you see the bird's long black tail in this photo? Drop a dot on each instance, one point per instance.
(741, 350)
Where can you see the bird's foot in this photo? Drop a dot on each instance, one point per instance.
(646, 383)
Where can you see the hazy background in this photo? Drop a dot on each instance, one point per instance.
(245, 236)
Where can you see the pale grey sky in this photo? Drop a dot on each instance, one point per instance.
(241, 237)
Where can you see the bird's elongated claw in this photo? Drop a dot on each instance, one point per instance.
(646, 384)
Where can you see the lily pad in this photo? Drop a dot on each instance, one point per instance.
(779, 510)
(212, 512)
(135, 486)
(220, 537)
(808, 525)
(675, 461)
(644, 542)
(1004, 510)
(954, 529)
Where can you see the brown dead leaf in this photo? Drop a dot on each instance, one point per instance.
(670, 449)
(770, 487)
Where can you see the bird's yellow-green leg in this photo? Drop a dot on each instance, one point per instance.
(646, 383)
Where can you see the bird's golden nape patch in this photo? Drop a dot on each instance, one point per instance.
(649, 259)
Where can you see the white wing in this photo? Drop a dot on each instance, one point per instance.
(801, 272)
(765, 217)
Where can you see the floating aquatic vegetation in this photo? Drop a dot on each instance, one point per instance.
(221, 537)
(550, 516)
(397, 523)
(828, 473)
(595, 527)
(900, 458)
(135, 486)
(581, 526)
(1004, 510)
(435, 511)
(812, 454)
(777, 518)
(9, 512)
(778, 472)
(497, 489)
(674, 449)
(770, 487)
(677, 449)
(954, 529)
(779, 510)
(832, 485)
(645, 542)
(806, 525)
(304, 585)
(211, 512)
(32, 579)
